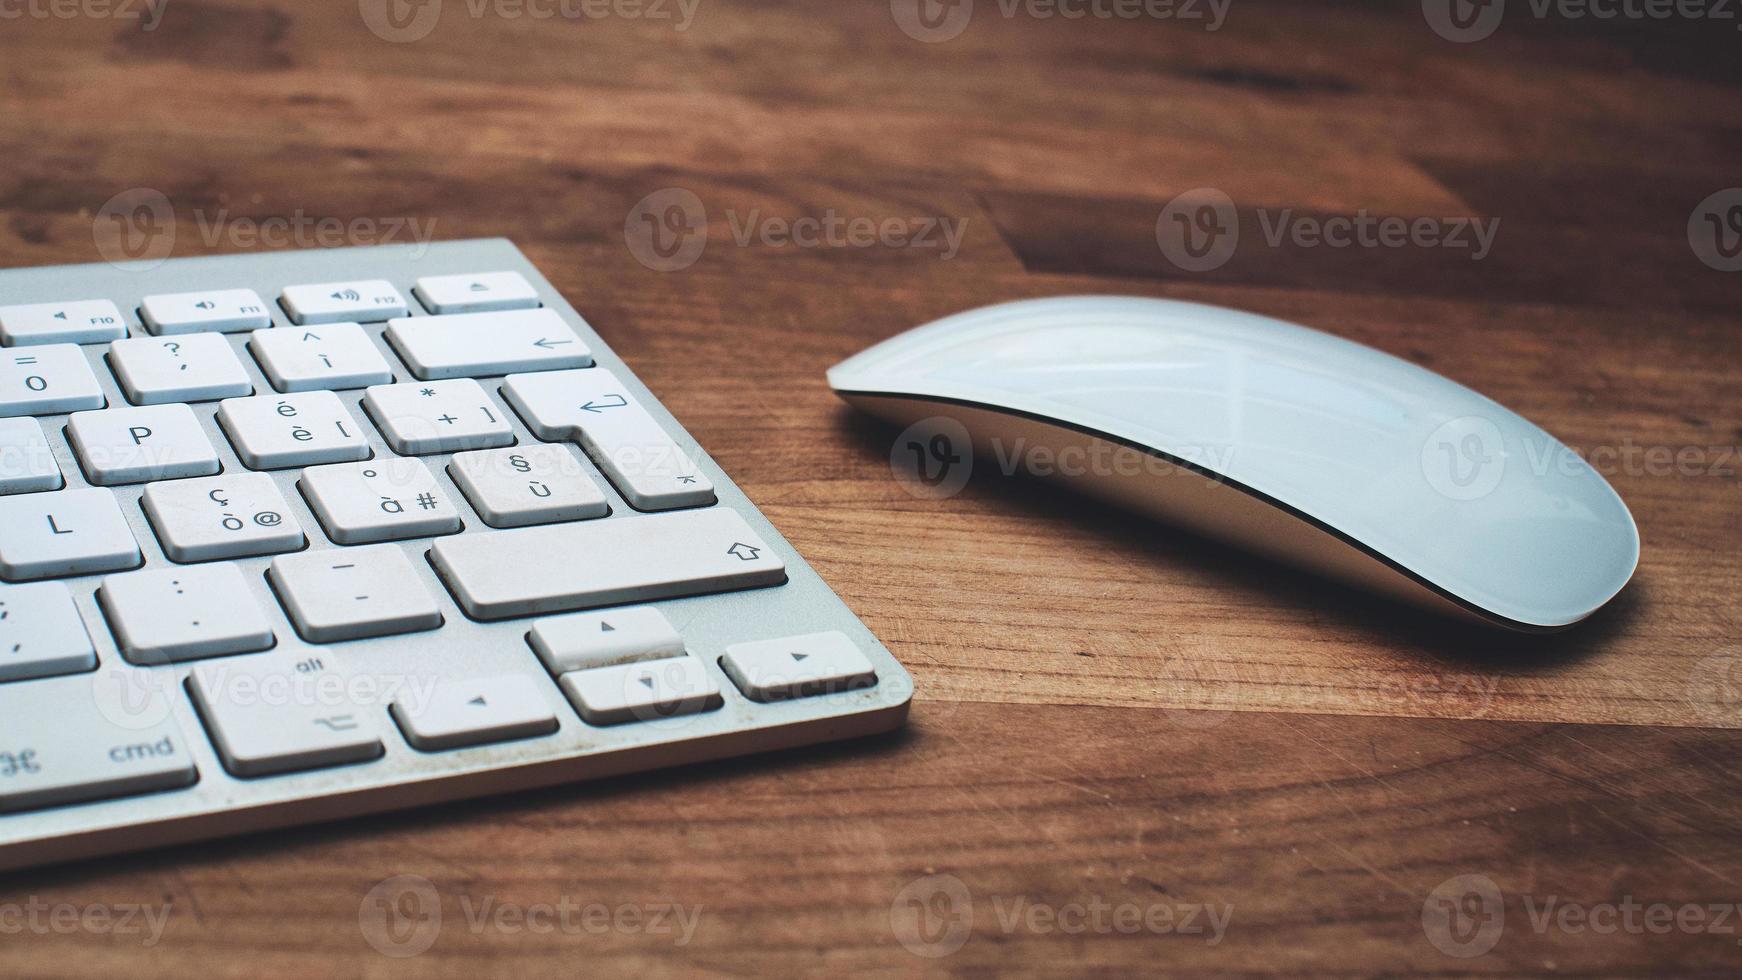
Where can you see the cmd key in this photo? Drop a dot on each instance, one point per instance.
(62, 748)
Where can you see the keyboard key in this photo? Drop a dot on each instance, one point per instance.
(352, 593)
(193, 368)
(381, 500)
(47, 380)
(475, 711)
(68, 532)
(480, 293)
(626, 560)
(272, 432)
(343, 302)
(536, 484)
(314, 721)
(798, 666)
(41, 632)
(219, 311)
(133, 445)
(647, 691)
(340, 355)
(27, 464)
(477, 345)
(230, 516)
(56, 751)
(582, 641)
(166, 615)
(593, 407)
(85, 322)
(437, 417)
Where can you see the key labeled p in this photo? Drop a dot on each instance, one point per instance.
(139, 433)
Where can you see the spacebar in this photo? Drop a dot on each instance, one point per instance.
(535, 570)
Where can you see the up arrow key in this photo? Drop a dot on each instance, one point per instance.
(479, 701)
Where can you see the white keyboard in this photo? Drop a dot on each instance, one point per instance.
(300, 536)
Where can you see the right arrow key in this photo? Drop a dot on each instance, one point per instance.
(798, 666)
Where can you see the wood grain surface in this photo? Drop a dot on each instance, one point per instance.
(1112, 719)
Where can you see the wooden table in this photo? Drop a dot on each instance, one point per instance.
(1121, 735)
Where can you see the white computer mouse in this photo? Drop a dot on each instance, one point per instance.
(1279, 438)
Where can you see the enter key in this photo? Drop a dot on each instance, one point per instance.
(593, 408)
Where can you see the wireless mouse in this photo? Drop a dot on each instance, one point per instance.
(1275, 437)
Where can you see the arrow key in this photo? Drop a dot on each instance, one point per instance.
(797, 666)
(464, 711)
(649, 691)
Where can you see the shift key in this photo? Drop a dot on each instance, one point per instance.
(61, 749)
(604, 563)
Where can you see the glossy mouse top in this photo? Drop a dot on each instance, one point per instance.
(1415, 470)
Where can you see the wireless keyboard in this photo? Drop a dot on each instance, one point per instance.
(299, 536)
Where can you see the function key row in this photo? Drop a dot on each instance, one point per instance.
(233, 310)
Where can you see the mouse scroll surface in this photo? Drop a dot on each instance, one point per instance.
(1416, 471)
